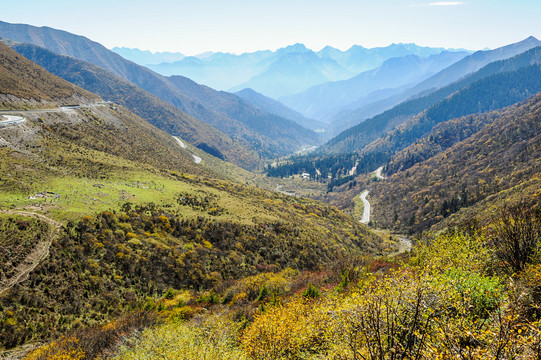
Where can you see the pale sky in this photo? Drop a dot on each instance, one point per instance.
(196, 26)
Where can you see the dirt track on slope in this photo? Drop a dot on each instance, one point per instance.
(40, 251)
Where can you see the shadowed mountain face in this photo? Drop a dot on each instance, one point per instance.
(254, 130)
(151, 108)
(275, 107)
(21, 78)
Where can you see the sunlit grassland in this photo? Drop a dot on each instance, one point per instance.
(73, 197)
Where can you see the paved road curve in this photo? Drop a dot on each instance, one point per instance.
(366, 212)
(9, 120)
(378, 173)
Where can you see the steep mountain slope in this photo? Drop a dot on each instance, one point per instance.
(467, 65)
(20, 79)
(362, 134)
(489, 93)
(151, 108)
(504, 154)
(319, 100)
(279, 135)
(86, 123)
(86, 50)
(275, 107)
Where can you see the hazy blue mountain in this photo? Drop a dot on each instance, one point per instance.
(275, 107)
(229, 71)
(319, 100)
(294, 72)
(145, 57)
(364, 108)
(218, 70)
(358, 59)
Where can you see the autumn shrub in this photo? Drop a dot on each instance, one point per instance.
(451, 249)
(293, 331)
(311, 291)
(211, 337)
(516, 235)
(93, 342)
(483, 293)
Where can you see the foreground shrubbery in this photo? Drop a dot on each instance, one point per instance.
(454, 297)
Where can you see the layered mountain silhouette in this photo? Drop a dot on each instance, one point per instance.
(145, 57)
(376, 103)
(254, 127)
(319, 100)
(255, 70)
(497, 85)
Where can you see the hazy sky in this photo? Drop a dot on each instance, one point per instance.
(237, 26)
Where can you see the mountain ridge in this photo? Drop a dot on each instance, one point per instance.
(152, 82)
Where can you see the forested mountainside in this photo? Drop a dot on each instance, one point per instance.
(500, 156)
(491, 92)
(149, 107)
(366, 108)
(359, 136)
(161, 86)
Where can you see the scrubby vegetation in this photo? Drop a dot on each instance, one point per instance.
(500, 156)
(18, 236)
(106, 265)
(455, 296)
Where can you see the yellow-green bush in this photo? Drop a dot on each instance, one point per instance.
(204, 338)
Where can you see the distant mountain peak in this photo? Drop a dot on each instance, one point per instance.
(298, 47)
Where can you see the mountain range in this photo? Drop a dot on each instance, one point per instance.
(320, 100)
(297, 68)
(145, 57)
(249, 129)
(357, 137)
(378, 102)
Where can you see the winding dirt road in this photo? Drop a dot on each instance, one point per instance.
(40, 252)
